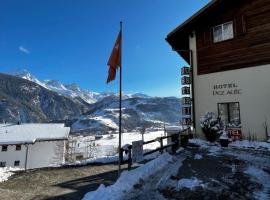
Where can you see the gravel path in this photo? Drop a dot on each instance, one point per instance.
(58, 183)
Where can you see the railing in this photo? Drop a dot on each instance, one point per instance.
(177, 139)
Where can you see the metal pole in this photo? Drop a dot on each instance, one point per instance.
(26, 157)
(120, 107)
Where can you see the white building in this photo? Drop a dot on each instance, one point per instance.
(227, 45)
(31, 146)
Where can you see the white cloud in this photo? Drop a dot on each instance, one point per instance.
(24, 50)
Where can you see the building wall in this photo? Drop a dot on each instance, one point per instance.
(252, 93)
(11, 155)
(40, 154)
(251, 43)
(44, 154)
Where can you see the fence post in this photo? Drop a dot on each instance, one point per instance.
(175, 139)
(129, 158)
(161, 145)
(121, 155)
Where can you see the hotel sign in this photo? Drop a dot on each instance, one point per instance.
(226, 89)
(235, 133)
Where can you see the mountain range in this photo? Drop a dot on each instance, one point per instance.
(25, 98)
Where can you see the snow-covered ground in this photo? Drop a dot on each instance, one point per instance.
(243, 157)
(6, 172)
(105, 149)
(128, 138)
(129, 179)
(189, 183)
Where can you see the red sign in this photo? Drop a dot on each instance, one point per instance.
(234, 133)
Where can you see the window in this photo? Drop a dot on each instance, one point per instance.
(18, 147)
(229, 113)
(2, 164)
(4, 148)
(16, 163)
(223, 32)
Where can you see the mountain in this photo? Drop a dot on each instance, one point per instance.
(27, 101)
(136, 112)
(24, 97)
(72, 91)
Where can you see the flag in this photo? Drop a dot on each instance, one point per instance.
(115, 58)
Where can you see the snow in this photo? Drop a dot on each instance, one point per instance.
(224, 135)
(261, 177)
(197, 157)
(199, 142)
(128, 179)
(174, 129)
(6, 172)
(29, 133)
(105, 149)
(189, 183)
(128, 138)
(251, 144)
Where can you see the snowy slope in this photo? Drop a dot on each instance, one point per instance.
(136, 112)
(101, 109)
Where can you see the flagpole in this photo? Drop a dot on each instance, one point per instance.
(120, 109)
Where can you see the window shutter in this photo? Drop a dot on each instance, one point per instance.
(207, 37)
(240, 26)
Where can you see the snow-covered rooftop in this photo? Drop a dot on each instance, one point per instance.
(30, 133)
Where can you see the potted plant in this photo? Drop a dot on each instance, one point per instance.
(211, 126)
(224, 139)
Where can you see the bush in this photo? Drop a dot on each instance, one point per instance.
(211, 126)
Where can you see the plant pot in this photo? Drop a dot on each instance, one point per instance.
(224, 142)
(184, 140)
(210, 135)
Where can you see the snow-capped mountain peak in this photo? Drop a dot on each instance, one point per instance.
(27, 76)
(71, 90)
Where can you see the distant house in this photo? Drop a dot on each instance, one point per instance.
(227, 44)
(31, 146)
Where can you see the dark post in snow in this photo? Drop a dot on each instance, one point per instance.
(142, 131)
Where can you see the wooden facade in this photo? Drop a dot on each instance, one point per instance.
(250, 45)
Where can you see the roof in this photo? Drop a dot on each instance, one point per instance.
(179, 37)
(31, 133)
(194, 17)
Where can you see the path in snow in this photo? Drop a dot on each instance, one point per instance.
(150, 188)
(210, 172)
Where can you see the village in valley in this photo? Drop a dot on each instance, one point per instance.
(209, 141)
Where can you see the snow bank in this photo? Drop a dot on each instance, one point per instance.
(6, 172)
(128, 179)
(189, 183)
(199, 142)
(197, 157)
(251, 144)
(261, 177)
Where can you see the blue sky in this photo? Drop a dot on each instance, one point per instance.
(71, 41)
